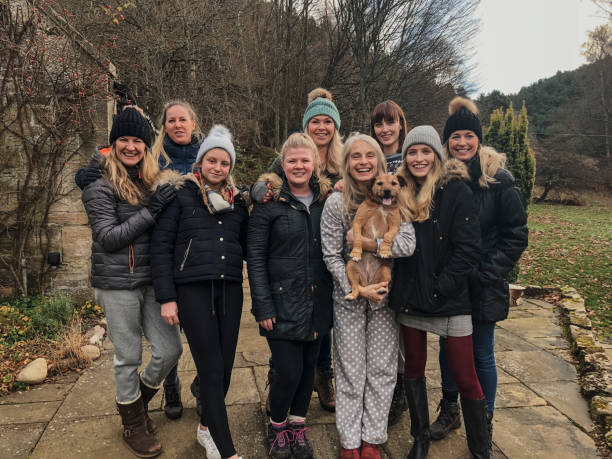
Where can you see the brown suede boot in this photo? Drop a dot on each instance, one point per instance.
(147, 395)
(324, 385)
(135, 434)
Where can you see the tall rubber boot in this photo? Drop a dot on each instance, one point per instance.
(416, 393)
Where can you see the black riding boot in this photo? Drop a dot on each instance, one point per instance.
(172, 390)
(416, 393)
(476, 427)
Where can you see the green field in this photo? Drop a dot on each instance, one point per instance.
(572, 245)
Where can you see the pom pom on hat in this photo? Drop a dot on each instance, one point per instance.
(319, 92)
(320, 103)
(463, 116)
(218, 137)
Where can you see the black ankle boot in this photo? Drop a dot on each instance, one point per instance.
(173, 407)
(448, 419)
(195, 391)
(476, 427)
(416, 393)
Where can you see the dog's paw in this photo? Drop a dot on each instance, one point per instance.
(385, 252)
(382, 291)
(350, 297)
(355, 255)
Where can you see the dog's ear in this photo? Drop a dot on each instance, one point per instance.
(401, 180)
(371, 184)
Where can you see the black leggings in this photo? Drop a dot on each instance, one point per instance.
(294, 364)
(210, 314)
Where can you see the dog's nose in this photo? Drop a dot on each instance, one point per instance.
(387, 193)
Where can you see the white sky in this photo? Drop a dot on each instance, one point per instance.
(522, 41)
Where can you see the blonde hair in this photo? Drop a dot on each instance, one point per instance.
(417, 199)
(301, 140)
(490, 162)
(229, 180)
(333, 163)
(117, 176)
(158, 145)
(352, 194)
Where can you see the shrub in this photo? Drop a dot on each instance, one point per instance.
(52, 314)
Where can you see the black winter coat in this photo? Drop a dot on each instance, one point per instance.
(434, 281)
(121, 236)
(287, 275)
(503, 228)
(192, 245)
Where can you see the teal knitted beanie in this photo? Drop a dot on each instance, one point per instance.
(320, 103)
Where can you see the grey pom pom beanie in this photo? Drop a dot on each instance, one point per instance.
(218, 137)
(426, 135)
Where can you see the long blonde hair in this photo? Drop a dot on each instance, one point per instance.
(490, 162)
(158, 145)
(418, 199)
(117, 175)
(352, 194)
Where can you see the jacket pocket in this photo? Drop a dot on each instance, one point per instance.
(185, 255)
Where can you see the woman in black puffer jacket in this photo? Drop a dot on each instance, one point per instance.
(122, 210)
(291, 288)
(504, 234)
(197, 254)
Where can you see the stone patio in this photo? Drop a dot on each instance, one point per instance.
(540, 412)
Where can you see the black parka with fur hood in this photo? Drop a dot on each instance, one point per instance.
(434, 281)
(287, 275)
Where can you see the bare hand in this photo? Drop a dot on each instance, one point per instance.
(268, 324)
(375, 293)
(169, 312)
(339, 186)
(367, 244)
(269, 195)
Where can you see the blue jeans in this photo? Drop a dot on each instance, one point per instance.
(324, 361)
(483, 337)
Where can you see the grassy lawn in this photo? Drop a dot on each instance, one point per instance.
(571, 245)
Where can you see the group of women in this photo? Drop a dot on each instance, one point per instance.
(168, 249)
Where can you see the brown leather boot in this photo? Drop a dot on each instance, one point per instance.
(147, 395)
(324, 385)
(135, 434)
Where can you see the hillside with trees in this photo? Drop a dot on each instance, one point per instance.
(569, 120)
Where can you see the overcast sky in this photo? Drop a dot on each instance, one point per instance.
(522, 41)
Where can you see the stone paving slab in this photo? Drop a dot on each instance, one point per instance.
(45, 393)
(535, 366)
(515, 395)
(565, 396)
(17, 440)
(28, 413)
(540, 432)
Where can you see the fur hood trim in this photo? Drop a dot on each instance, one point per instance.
(276, 185)
(451, 170)
(168, 176)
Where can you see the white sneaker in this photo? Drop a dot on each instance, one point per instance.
(205, 439)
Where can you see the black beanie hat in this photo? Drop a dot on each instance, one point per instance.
(131, 122)
(463, 116)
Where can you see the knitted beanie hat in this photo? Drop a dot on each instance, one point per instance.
(218, 137)
(320, 103)
(463, 116)
(131, 122)
(426, 135)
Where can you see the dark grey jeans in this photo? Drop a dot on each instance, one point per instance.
(130, 314)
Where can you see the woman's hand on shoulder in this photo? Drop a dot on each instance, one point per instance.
(367, 244)
(169, 312)
(339, 186)
(267, 324)
(375, 293)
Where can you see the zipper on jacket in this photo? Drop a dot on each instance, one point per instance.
(131, 258)
(186, 255)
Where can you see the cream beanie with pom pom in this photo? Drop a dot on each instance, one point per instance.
(218, 137)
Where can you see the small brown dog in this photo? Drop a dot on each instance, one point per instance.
(378, 216)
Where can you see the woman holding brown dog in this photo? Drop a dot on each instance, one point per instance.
(291, 289)
(365, 329)
(431, 287)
